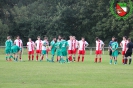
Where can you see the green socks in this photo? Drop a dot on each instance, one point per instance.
(110, 61)
(6, 57)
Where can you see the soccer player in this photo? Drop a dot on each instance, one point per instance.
(30, 48)
(8, 45)
(38, 45)
(47, 47)
(15, 50)
(64, 46)
(53, 48)
(109, 48)
(75, 47)
(70, 48)
(81, 47)
(58, 49)
(18, 42)
(44, 45)
(128, 53)
(114, 47)
(99, 47)
(123, 44)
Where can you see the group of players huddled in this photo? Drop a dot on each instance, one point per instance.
(66, 51)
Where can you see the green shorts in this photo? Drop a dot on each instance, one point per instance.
(7, 51)
(43, 52)
(115, 53)
(59, 53)
(53, 52)
(14, 51)
(64, 53)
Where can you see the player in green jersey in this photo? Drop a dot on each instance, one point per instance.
(8, 45)
(114, 48)
(64, 47)
(15, 50)
(58, 49)
(53, 48)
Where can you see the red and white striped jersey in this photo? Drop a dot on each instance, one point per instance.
(70, 43)
(99, 44)
(124, 44)
(75, 44)
(38, 44)
(18, 42)
(82, 44)
(30, 46)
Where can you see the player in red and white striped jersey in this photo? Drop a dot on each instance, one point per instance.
(30, 48)
(99, 47)
(75, 47)
(70, 48)
(18, 42)
(123, 45)
(38, 45)
(82, 44)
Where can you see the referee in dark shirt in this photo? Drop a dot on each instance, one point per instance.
(128, 52)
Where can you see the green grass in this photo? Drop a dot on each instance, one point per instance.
(73, 75)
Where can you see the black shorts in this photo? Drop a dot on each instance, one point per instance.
(128, 54)
(110, 52)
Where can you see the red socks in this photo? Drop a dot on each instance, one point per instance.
(70, 58)
(123, 61)
(96, 60)
(82, 58)
(37, 57)
(32, 57)
(78, 58)
(29, 57)
(100, 59)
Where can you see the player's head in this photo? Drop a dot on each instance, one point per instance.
(54, 38)
(82, 38)
(59, 37)
(129, 40)
(113, 38)
(70, 37)
(45, 38)
(74, 37)
(30, 39)
(63, 38)
(18, 37)
(124, 37)
(8, 37)
(38, 37)
(97, 38)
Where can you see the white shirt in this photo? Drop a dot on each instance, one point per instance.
(43, 45)
(18, 42)
(30, 46)
(70, 43)
(99, 45)
(124, 44)
(82, 45)
(75, 44)
(38, 45)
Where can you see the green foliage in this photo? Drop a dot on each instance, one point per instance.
(88, 18)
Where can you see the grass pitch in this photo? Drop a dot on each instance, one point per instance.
(32, 74)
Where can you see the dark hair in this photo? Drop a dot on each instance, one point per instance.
(38, 37)
(63, 37)
(97, 38)
(18, 36)
(82, 37)
(129, 39)
(45, 37)
(125, 37)
(115, 39)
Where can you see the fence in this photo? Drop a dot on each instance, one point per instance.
(89, 50)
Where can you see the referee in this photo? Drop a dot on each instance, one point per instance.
(128, 52)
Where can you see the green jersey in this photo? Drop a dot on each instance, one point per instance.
(15, 49)
(58, 47)
(114, 45)
(64, 45)
(8, 44)
(52, 44)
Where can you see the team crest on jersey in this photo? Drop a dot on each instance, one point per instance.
(121, 9)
